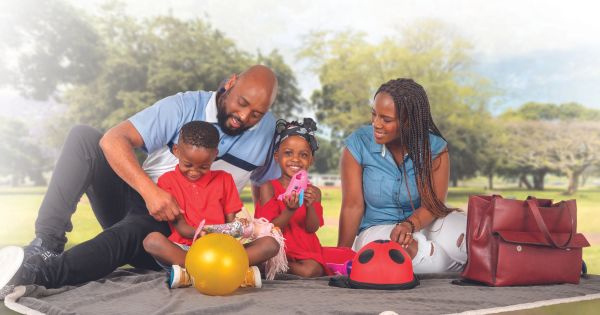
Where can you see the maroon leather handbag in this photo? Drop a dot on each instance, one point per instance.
(515, 242)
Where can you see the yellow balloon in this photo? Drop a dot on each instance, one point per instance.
(217, 264)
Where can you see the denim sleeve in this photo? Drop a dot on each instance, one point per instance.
(437, 144)
(159, 123)
(355, 145)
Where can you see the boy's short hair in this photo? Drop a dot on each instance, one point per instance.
(199, 134)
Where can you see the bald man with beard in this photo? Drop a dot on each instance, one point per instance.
(123, 194)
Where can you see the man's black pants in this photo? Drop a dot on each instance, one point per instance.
(120, 210)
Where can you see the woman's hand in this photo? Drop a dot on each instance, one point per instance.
(402, 233)
(312, 194)
(291, 201)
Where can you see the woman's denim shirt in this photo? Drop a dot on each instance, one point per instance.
(384, 189)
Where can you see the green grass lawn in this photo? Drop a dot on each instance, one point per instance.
(18, 210)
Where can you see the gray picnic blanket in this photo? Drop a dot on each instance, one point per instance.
(144, 292)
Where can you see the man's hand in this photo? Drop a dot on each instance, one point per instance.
(162, 205)
(118, 145)
(312, 194)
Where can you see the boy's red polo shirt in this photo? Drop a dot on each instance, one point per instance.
(211, 197)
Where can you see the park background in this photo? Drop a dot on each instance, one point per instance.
(512, 85)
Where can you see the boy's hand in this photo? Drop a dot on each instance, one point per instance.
(198, 234)
(292, 202)
(162, 205)
(312, 194)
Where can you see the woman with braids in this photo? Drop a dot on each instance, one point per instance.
(395, 179)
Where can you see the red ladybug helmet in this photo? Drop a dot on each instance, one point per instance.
(382, 265)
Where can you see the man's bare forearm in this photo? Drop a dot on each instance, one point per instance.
(118, 148)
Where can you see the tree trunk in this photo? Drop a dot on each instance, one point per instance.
(538, 180)
(38, 179)
(584, 178)
(454, 182)
(573, 182)
(16, 180)
(523, 179)
(491, 181)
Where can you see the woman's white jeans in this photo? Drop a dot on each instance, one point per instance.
(441, 245)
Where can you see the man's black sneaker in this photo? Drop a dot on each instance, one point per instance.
(37, 247)
(14, 270)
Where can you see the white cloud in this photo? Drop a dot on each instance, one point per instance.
(507, 27)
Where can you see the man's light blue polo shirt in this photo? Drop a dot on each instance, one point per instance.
(384, 188)
(246, 156)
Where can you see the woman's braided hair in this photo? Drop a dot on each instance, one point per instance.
(416, 122)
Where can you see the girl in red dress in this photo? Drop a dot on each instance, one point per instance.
(299, 218)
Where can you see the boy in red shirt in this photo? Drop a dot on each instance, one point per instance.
(201, 194)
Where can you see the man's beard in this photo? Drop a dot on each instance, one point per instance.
(222, 117)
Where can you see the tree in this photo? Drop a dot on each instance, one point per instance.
(576, 150)
(133, 63)
(9, 38)
(492, 154)
(346, 67)
(57, 46)
(527, 151)
(20, 155)
(537, 148)
(289, 104)
(148, 60)
(534, 142)
(551, 112)
(327, 157)
(351, 69)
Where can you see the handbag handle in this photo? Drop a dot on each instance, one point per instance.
(542, 226)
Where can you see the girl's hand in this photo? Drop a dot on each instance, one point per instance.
(402, 234)
(292, 201)
(312, 194)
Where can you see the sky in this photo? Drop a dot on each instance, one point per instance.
(543, 51)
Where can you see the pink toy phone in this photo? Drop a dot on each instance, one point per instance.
(298, 184)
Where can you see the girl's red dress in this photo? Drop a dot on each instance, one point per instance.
(299, 244)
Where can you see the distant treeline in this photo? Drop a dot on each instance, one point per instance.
(107, 66)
